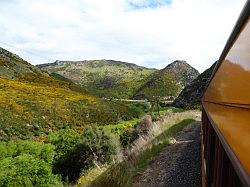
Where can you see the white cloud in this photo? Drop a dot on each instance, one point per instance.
(192, 30)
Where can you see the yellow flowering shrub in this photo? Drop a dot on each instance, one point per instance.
(33, 109)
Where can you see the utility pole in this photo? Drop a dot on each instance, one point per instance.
(157, 104)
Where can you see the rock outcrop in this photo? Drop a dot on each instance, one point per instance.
(191, 95)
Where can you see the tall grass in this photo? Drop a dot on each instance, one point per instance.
(123, 173)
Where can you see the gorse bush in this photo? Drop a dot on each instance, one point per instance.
(31, 109)
(27, 163)
(141, 128)
(95, 147)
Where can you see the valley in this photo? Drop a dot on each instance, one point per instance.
(64, 119)
(124, 93)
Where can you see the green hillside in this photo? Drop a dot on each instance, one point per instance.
(104, 78)
(15, 68)
(167, 82)
(34, 103)
(12, 66)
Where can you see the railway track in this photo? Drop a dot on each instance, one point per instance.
(178, 164)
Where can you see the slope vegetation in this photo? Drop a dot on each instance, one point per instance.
(104, 78)
(167, 82)
(33, 103)
(12, 66)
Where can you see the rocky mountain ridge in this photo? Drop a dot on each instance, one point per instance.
(183, 71)
(190, 96)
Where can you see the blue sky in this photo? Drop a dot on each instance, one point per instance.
(150, 33)
(148, 4)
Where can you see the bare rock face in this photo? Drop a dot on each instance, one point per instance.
(191, 95)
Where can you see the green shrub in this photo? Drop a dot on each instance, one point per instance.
(129, 136)
(17, 148)
(96, 146)
(27, 163)
(102, 145)
(137, 112)
(64, 141)
(27, 170)
(138, 109)
(176, 110)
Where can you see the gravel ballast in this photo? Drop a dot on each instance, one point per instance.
(178, 164)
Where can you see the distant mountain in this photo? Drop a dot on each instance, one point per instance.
(104, 78)
(167, 82)
(191, 95)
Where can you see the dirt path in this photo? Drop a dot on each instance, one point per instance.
(178, 164)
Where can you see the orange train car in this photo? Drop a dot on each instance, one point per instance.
(226, 112)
